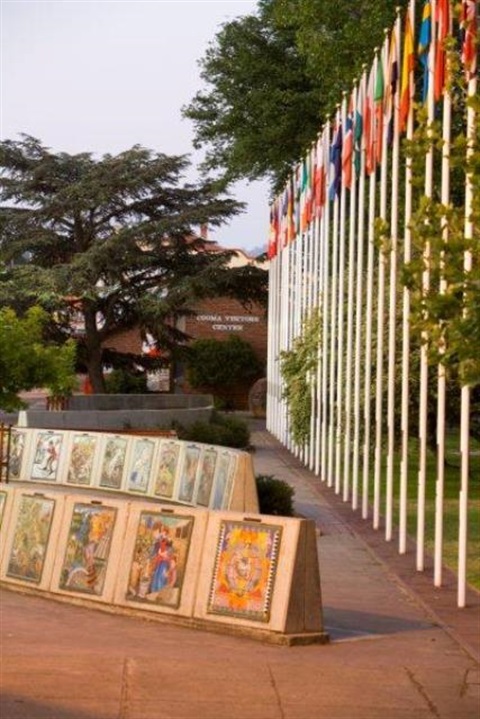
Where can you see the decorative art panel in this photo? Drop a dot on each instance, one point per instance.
(18, 451)
(47, 456)
(159, 559)
(226, 467)
(82, 458)
(87, 550)
(31, 535)
(245, 569)
(189, 473)
(113, 462)
(206, 476)
(140, 465)
(168, 463)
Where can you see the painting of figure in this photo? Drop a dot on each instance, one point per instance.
(205, 477)
(245, 568)
(113, 462)
(221, 480)
(167, 469)
(88, 546)
(30, 541)
(3, 502)
(81, 459)
(47, 456)
(140, 465)
(159, 558)
(189, 473)
(17, 449)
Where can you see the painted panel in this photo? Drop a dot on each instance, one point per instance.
(47, 456)
(245, 569)
(82, 459)
(87, 550)
(189, 473)
(31, 537)
(113, 462)
(161, 549)
(140, 465)
(206, 475)
(221, 480)
(169, 459)
(18, 452)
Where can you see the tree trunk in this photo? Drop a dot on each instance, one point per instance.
(94, 352)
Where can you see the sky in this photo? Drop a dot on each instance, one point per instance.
(102, 75)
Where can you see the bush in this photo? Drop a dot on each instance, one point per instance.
(120, 381)
(221, 430)
(275, 496)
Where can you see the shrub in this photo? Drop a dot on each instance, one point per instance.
(120, 381)
(221, 430)
(275, 496)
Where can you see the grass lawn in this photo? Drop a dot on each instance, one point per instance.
(451, 503)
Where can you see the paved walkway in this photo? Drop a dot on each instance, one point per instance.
(398, 650)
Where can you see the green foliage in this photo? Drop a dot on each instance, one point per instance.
(110, 242)
(222, 430)
(220, 365)
(121, 381)
(27, 361)
(272, 76)
(298, 368)
(275, 496)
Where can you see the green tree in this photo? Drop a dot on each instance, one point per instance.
(108, 244)
(27, 361)
(272, 77)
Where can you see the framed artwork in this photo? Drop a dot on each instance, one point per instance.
(244, 571)
(46, 455)
(31, 535)
(81, 460)
(168, 462)
(140, 465)
(113, 462)
(18, 452)
(87, 549)
(189, 473)
(222, 480)
(157, 567)
(206, 474)
(4, 500)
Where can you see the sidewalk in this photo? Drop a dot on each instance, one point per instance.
(396, 651)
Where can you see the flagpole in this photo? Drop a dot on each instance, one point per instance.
(323, 199)
(423, 408)
(326, 306)
(407, 255)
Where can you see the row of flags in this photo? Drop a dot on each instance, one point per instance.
(354, 139)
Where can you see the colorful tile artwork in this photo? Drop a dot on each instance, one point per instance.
(159, 558)
(113, 462)
(140, 465)
(47, 456)
(17, 447)
(88, 548)
(30, 540)
(221, 481)
(245, 568)
(205, 477)
(81, 459)
(167, 469)
(189, 473)
(3, 501)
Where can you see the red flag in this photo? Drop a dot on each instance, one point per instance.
(468, 26)
(319, 180)
(369, 125)
(443, 31)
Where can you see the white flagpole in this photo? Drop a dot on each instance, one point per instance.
(320, 301)
(392, 329)
(407, 255)
(352, 246)
(441, 380)
(326, 306)
(423, 408)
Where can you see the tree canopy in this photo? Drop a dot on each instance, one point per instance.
(108, 244)
(274, 76)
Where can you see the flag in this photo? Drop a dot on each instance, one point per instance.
(468, 37)
(358, 127)
(443, 31)
(391, 86)
(378, 98)
(319, 182)
(336, 161)
(305, 193)
(290, 211)
(424, 41)
(273, 237)
(408, 64)
(347, 149)
(369, 124)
